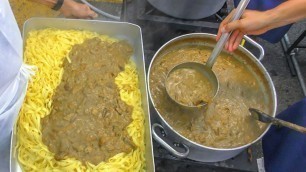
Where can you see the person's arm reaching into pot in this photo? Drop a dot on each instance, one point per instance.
(258, 22)
(71, 9)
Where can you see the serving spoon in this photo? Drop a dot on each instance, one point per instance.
(206, 69)
(261, 116)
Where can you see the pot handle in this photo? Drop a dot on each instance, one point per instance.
(166, 145)
(258, 46)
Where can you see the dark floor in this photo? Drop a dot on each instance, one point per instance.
(287, 87)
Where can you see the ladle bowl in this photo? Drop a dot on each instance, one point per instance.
(205, 71)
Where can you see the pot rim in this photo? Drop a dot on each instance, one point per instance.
(206, 8)
(245, 51)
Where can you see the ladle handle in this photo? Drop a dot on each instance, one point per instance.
(295, 127)
(224, 37)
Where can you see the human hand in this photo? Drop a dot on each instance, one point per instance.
(251, 22)
(72, 9)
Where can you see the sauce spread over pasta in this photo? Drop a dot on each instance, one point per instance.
(88, 120)
(48, 50)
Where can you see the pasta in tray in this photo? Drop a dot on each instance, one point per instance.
(47, 49)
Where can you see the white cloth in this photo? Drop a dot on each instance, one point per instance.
(7, 120)
(10, 47)
(14, 77)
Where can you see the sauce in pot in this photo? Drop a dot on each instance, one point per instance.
(225, 123)
(189, 87)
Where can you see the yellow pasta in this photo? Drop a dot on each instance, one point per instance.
(47, 49)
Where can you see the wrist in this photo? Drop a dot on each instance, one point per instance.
(271, 19)
(58, 5)
(68, 4)
(49, 3)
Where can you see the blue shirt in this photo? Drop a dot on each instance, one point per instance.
(285, 149)
(273, 35)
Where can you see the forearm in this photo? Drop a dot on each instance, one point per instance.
(286, 13)
(49, 3)
(70, 8)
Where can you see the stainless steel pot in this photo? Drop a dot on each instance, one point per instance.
(188, 9)
(182, 147)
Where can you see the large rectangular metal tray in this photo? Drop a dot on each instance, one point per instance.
(119, 30)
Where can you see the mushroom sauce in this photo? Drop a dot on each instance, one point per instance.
(225, 122)
(189, 87)
(88, 120)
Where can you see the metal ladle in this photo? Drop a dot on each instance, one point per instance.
(206, 70)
